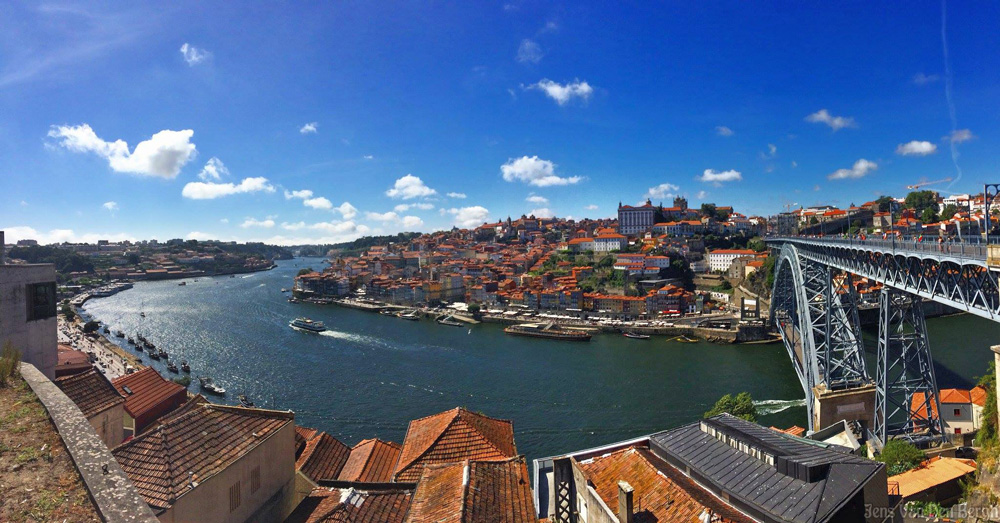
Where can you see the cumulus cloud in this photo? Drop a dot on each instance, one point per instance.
(309, 128)
(543, 212)
(664, 190)
(412, 222)
(563, 93)
(194, 56)
(303, 194)
(213, 170)
(368, 157)
(835, 122)
(701, 195)
(111, 207)
(916, 148)
(266, 223)
(860, 169)
(318, 202)
(382, 217)
(469, 217)
(163, 155)
(211, 191)
(457, 195)
(409, 187)
(529, 52)
(293, 226)
(347, 210)
(534, 171)
(22, 232)
(403, 207)
(591, 207)
(339, 228)
(200, 236)
(959, 136)
(717, 178)
(537, 199)
(924, 79)
(722, 130)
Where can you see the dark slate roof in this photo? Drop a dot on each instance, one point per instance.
(781, 490)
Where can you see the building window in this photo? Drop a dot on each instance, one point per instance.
(255, 479)
(958, 412)
(958, 431)
(41, 300)
(234, 497)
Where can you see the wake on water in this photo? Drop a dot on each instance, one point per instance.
(765, 407)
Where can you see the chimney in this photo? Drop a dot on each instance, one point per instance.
(624, 502)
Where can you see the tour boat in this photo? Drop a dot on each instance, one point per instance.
(181, 284)
(387, 312)
(635, 336)
(142, 314)
(306, 324)
(411, 316)
(172, 368)
(130, 341)
(450, 322)
(153, 355)
(163, 354)
(138, 347)
(185, 367)
(211, 387)
(547, 330)
(107, 330)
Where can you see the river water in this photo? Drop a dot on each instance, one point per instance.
(370, 374)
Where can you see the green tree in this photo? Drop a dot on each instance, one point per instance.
(606, 263)
(949, 211)
(920, 200)
(757, 244)
(929, 215)
(68, 313)
(708, 209)
(987, 435)
(475, 310)
(90, 326)
(305, 271)
(885, 203)
(813, 220)
(740, 406)
(900, 456)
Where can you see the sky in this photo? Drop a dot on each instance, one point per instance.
(319, 122)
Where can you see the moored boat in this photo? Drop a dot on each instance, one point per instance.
(245, 401)
(449, 321)
(636, 336)
(172, 368)
(307, 325)
(119, 334)
(410, 316)
(185, 367)
(547, 330)
(209, 386)
(130, 341)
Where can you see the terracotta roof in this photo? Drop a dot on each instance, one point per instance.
(955, 396)
(371, 461)
(661, 492)
(931, 473)
(91, 391)
(148, 388)
(794, 430)
(302, 435)
(452, 436)
(352, 506)
(323, 457)
(978, 395)
(474, 492)
(163, 462)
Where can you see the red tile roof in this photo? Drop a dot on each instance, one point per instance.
(91, 391)
(371, 461)
(163, 463)
(452, 436)
(352, 506)
(978, 396)
(150, 393)
(955, 396)
(323, 457)
(474, 492)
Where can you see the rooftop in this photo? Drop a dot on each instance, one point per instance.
(376, 505)
(91, 391)
(931, 473)
(474, 492)
(323, 457)
(148, 390)
(371, 461)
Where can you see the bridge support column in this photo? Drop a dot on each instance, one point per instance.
(907, 403)
(853, 404)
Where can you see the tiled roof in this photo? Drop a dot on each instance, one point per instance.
(371, 461)
(451, 436)
(661, 492)
(163, 462)
(352, 506)
(978, 395)
(302, 435)
(323, 457)
(474, 492)
(932, 473)
(955, 396)
(148, 388)
(91, 391)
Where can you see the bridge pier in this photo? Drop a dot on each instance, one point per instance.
(853, 404)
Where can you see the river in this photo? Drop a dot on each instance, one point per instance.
(370, 374)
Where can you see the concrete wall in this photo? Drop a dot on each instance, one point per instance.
(35, 339)
(109, 425)
(209, 501)
(852, 404)
(964, 421)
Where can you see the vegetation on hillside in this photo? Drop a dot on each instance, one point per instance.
(10, 358)
(900, 456)
(65, 260)
(364, 243)
(741, 406)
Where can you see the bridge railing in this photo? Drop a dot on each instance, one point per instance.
(976, 248)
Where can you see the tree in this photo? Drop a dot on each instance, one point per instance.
(949, 211)
(929, 215)
(920, 200)
(68, 313)
(813, 220)
(305, 271)
(90, 326)
(757, 244)
(987, 435)
(740, 406)
(708, 209)
(475, 310)
(885, 203)
(900, 456)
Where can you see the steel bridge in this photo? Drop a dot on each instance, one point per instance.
(814, 307)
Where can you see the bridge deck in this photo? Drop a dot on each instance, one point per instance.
(957, 252)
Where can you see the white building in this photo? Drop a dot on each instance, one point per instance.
(28, 313)
(636, 220)
(720, 260)
(962, 410)
(609, 242)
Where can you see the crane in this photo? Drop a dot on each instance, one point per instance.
(919, 185)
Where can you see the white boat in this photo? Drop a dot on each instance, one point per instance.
(211, 387)
(307, 325)
(412, 316)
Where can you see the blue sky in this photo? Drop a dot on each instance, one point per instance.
(259, 121)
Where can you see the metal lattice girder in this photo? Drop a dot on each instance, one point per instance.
(906, 404)
(959, 279)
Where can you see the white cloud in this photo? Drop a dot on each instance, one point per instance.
(544, 212)
(916, 148)
(403, 207)
(210, 191)
(200, 236)
(412, 222)
(722, 130)
(529, 52)
(664, 190)
(536, 199)
(213, 170)
(534, 171)
(14, 233)
(591, 207)
(835, 122)
(959, 136)
(923, 79)
(457, 195)
(409, 187)
(318, 202)
(794, 164)
(562, 94)
(469, 217)
(194, 56)
(860, 169)
(253, 222)
(717, 178)
(163, 155)
(224, 220)
(701, 195)
(24, 203)
(309, 128)
(111, 206)
(303, 194)
(382, 217)
(772, 150)
(368, 157)
(293, 226)
(339, 228)
(817, 188)
(347, 210)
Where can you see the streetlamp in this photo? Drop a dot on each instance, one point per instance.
(987, 198)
